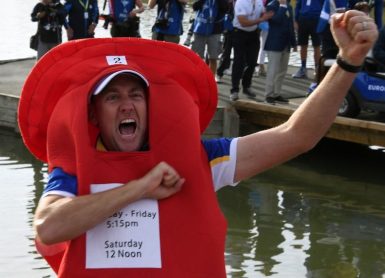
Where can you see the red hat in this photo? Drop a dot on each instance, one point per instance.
(79, 62)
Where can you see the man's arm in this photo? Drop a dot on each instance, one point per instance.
(152, 3)
(139, 9)
(245, 22)
(309, 123)
(60, 219)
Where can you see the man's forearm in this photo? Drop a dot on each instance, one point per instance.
(314, 117)
(67, 218)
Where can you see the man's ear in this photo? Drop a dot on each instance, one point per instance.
(92, 114)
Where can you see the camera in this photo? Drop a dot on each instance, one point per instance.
(161, 23)
(107, 19)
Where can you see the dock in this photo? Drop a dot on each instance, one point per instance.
(369, 129)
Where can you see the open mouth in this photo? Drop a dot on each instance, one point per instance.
(127, 127)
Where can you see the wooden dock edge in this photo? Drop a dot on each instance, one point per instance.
(345, 129)
(225, 123)
(8, 112)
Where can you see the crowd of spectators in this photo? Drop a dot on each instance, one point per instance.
(231, 32)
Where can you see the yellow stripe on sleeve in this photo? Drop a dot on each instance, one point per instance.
(219, 160)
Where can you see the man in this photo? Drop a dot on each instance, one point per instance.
(279, 42)
(168, 24)
(247, 15)
(207, 29)
(306, 18)
(83, 16)
(172, 202)
(124, 19)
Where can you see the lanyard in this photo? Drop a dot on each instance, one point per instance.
(85, 6)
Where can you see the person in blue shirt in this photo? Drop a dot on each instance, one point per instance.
(124, 19)
(378, 6)
(207, 29)
(280, 40)
(168, 23)
(83, 16)
(307, 13)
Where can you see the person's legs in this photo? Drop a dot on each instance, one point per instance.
(43, 47)
(199, 45)
(262, 53)
(213, 50)
(272, 70)
(252, 49)
(225, 57)
(172, 38)
(239, 45)
(283, 62)
(303, 41)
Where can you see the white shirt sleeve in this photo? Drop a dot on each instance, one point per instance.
(223, 172)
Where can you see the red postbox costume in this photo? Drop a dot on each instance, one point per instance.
(53, 119)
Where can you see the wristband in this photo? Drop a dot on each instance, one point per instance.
(346, 66)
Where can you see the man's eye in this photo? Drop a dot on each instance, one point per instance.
(112, 97)
(137, 95)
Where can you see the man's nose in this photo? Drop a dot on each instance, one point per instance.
(126, 105)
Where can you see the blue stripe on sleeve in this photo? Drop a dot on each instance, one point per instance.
(216, 148)
(59, 181)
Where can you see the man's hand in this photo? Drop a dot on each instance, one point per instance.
(355, 34)
(161, 182)
(91, 29)
(266, 16)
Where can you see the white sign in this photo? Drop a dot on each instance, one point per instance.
(116, 60)
(127, 239)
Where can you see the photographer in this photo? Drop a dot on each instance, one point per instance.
(168, 24)
(50, 15)
(123, 17)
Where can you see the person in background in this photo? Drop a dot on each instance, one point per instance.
(307, 13)
(168, 23)
(83, 16)
(264, 27)
(50, 15)
(123, 18)
(378, 6)
(279, 42)
(225, 59)
(379, 50)
(247, 16)
(207, 29)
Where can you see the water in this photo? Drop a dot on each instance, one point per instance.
(321, 215)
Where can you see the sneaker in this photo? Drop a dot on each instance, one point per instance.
(311, 88)
(270, 100)
(281, 99)
(249, 93)
(261, 72)
(218, 78)
(301, 73)
(187, 42)
(227, 72)
(234, 96)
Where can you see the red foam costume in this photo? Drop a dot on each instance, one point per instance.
(53, 119)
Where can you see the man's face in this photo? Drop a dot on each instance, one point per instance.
(120, 112)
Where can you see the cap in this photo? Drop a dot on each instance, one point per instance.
(104, 82)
